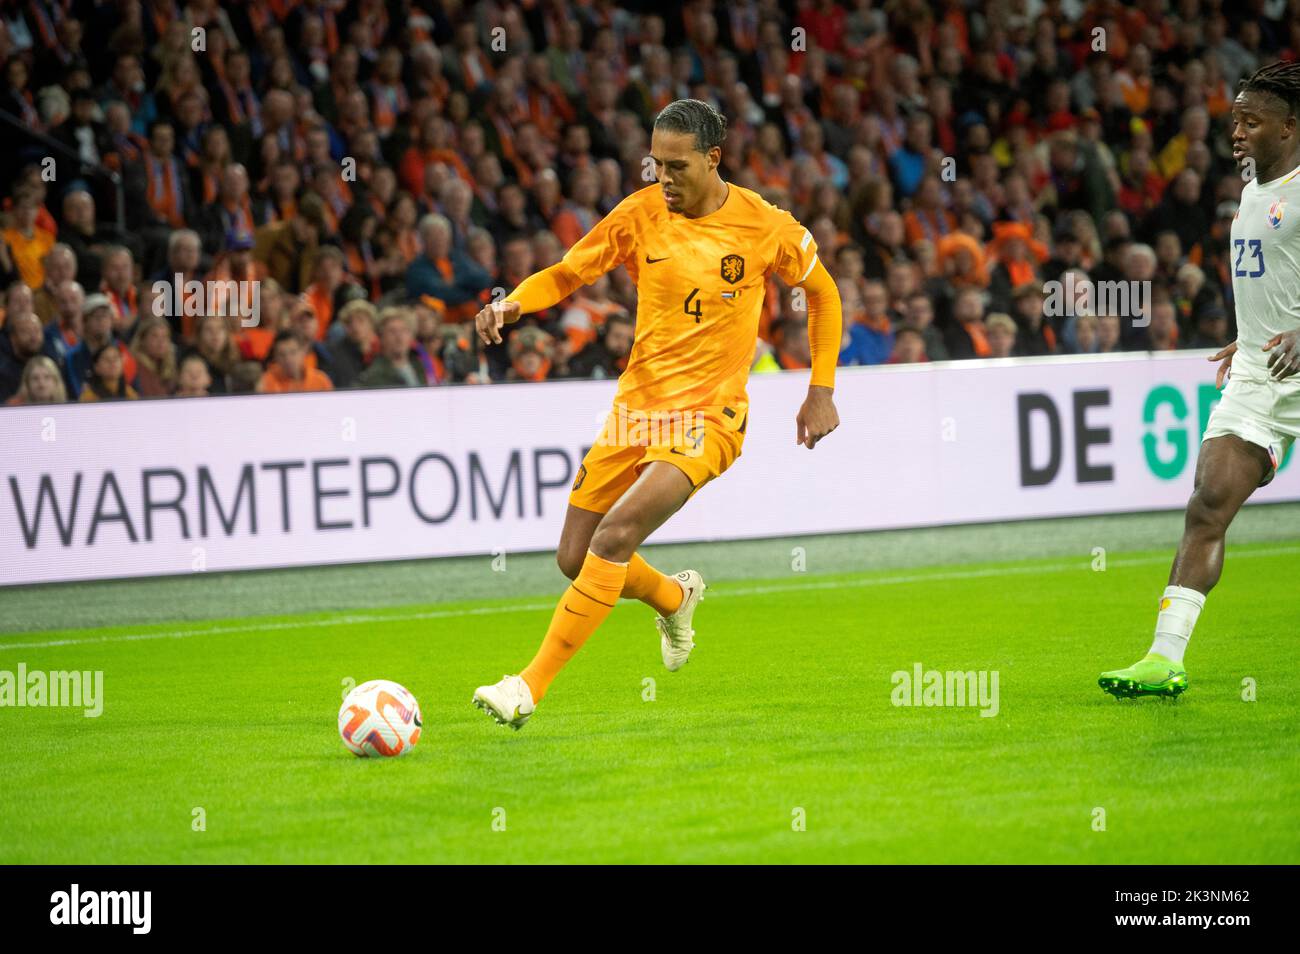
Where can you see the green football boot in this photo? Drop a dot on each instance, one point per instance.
(1152, 676)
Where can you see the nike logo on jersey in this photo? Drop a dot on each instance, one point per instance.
(651, 261)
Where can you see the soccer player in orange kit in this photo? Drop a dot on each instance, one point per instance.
(699, 250)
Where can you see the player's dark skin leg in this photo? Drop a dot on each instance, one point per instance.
(657, 494)
(575, 539)
(1227, 473)
(641, 510)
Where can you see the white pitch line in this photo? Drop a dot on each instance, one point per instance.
(533, 607)
(298, 624)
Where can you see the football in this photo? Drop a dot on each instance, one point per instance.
(379, 719)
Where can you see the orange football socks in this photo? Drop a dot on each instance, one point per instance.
(645, 583)
(583, 607)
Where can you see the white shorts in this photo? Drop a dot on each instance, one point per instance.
(1266, 413)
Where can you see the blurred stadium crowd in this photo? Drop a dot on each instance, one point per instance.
(380, 166)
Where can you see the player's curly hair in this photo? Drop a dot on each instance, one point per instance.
(706, 124)
(1279, 79)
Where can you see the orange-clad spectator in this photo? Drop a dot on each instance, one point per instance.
(30, 178)
(579, 214)
(63, 332)
(792, 349)
(118, 284)
(1135, 80)
(28, 242)
(281, 123)
(469, 63)
(589, 308)
(654, 90)
(547, 104)
(373, 257)
(1015, 249)
(1218, 95)
(796, 117)
(771, 310)
(184, 250)
(446, 273)
(212, 343)
(335, 194)
(961, 260)
(181, 78)
(434, 146)
(606, 357)
(767, 158)
(166, 182)
(967, 336)
(286, 250)
(825, 21)
(214, 158)
(402, 217)
(1141, 184)
(1195, 128)
(529, 153)
(96, 331)
(532, 354)
(548, 198)
(106, 380)
(287, 370)
(327, 276)
(428, 78)
(235, 264)
(282, 190)
(371, 26)
(928, 219)
(230, 213)
(254, 340)
(302, 320)
(381, 190)
(155, 357)
(456, 203)
(388, 97)
(60, 266)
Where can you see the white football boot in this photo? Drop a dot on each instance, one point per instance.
(510, 701)
(676, 638)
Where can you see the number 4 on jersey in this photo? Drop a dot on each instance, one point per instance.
(686, 306)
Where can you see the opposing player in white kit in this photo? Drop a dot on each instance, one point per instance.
(1253, 426)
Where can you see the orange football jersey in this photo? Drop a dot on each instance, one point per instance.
(700, 285)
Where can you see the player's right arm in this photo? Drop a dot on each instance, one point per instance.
(607, 245)
(538, 291)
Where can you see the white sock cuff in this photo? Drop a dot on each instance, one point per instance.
(1194, 597)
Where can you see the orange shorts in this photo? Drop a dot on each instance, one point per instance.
(701, 444)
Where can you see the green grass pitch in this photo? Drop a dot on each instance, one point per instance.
(783, 713)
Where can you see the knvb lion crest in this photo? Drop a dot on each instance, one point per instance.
(733, 268)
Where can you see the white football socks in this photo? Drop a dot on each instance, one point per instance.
(1179, 608)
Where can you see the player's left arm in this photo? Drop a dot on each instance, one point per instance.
(797, 264)
(1285, 359)
(818, 417)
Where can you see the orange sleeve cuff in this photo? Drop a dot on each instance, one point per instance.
(545, 288)
(825, 325)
